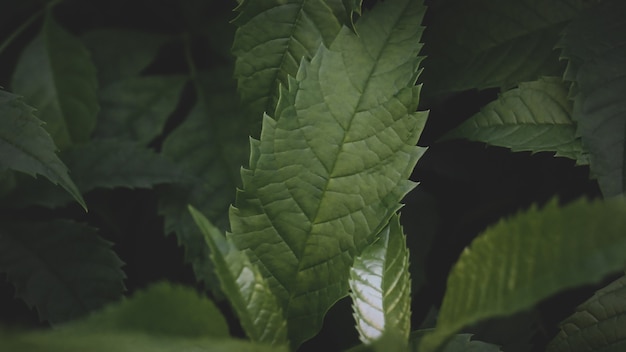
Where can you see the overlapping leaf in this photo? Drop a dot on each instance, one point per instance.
(482, 44)
(137, 108)
(599, 324)
(331, 167)
(272, 39)
(457, 343)
(26, 147)
(523, 260)
(595, 46)
(56, 76)
(247, 290)
(380, 287)
(63, 268)
(534, 117)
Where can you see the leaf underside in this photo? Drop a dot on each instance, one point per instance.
(528, 257)
(332, 165)
(599, 324)
(380, 287)
(534, 117)
(63, 268)
(595, 47)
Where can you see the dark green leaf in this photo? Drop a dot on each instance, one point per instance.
(26, 147)
(63, 268)
(247, 290)
(457, 343)
(56, 76)
(380, 286)
(595, 45)
(528, 257)
(330, 170)
(137, 108)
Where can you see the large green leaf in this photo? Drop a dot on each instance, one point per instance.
(26, 147)
(56, 76)
(526, 258)
(273, 37)
(599, 324)
(137, 108)
(63, 268)
(380, 286)
(534, 117)
(247, 290)
(595, 45)
(331, 167)
(485, 43)
(457, 343)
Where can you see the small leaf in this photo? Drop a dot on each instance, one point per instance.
(137, 108)
(534, 117)
(56, 75)
(595, 46)
(457, 343)
(599, 324)
(162, 309)
(248, 292)
(522, 260)
(63, 268)
(380, 286)
(26, 147)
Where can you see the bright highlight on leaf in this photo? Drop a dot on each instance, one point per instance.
(529, 257)
(534, 117)
(248, 292)
(380, 286)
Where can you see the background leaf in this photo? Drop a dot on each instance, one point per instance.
(595, 46)
(599, 324)
(523, 260)
(457, 343)
(534, 117)
(55, 75)
(61, 267)
(248, 292)
(330, 170)
(380, 286)
(26, 147)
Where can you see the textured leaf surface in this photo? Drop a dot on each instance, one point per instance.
(273, 37)
(137, 108)
(56, 76)
(26, 147)
(210, 147)
(247, 290)
(534, 117)
(380, 286)
(482, 44)
(120, 53)
(63, 268)
(162, 309)
(528, 257)
(595, 45)
(457, 343)
(599, 324)
(330, 169)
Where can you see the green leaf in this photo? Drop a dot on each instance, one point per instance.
(595, 46)
(248, 292)
(61, 267)
(121, 53)
(526, 258)
(209, 146)
(330, 170)
(26, 147)
(599, 324)
(483, 44)
(457, 343)
(137, 108)
(272, 38)
(56, 76)
(162, 309)
(534, 117)
(380, 286)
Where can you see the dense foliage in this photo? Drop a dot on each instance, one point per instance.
(175, 176)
